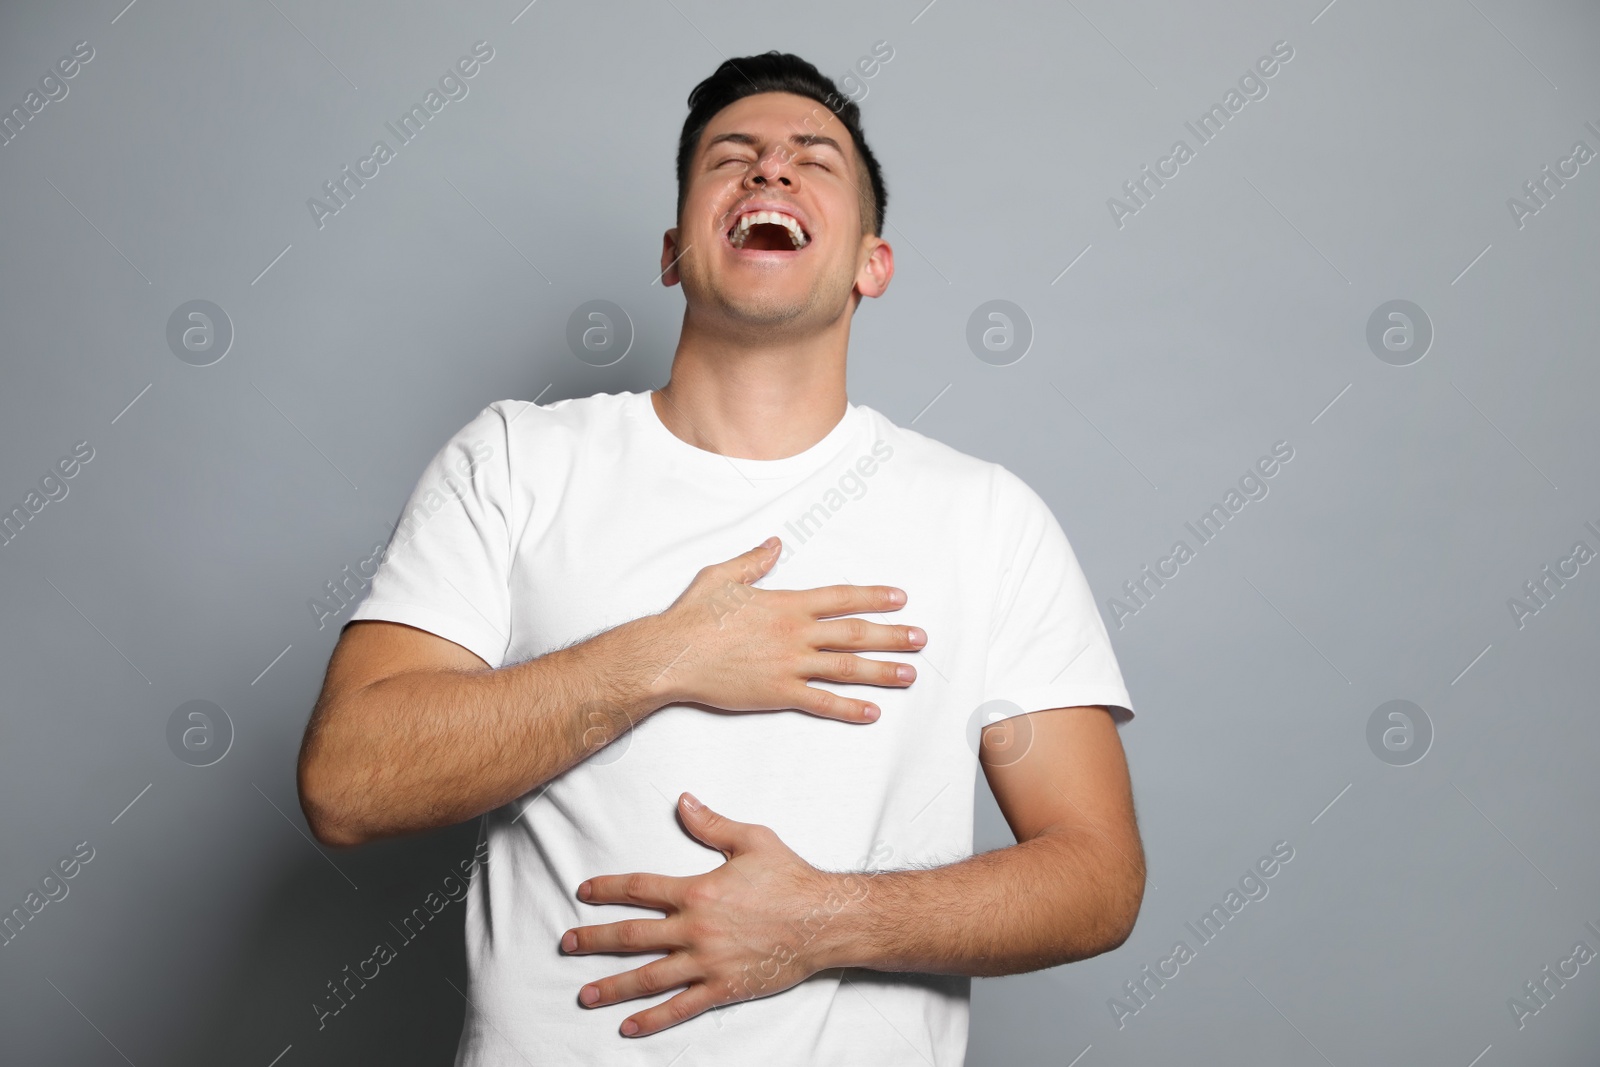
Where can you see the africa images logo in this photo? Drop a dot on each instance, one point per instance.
(452, 86)
(1252, 86)
(1252, 486)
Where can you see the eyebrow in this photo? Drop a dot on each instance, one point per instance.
(804, 140)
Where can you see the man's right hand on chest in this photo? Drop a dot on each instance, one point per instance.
(729, 645)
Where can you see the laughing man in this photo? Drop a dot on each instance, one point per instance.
(574, 640)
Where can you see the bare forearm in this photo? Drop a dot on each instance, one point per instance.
(431, 748)
(1055, 898)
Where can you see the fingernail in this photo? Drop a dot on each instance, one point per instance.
(589, 994)
(690, 802)
(871, 713)
(583, 891)
(918, 637)
(569, 941)
(630, 1028)
(897, 596)
(768, 543)
(905, 672)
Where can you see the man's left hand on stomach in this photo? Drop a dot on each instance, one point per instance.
(760, 923)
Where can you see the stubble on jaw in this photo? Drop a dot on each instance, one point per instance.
(758, 314)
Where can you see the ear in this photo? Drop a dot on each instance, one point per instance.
(669, 257)
(876, 270)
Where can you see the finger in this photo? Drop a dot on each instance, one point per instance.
(829, 600)
(748, 566)
(659, 891)
(826, 705)
(681, 1008)
(728, 836)
(629, 935)
(858, 634)
(861, 670)
(655, 977)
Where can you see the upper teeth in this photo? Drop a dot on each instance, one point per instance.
(741, 230)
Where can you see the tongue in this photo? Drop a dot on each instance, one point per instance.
(769, 237)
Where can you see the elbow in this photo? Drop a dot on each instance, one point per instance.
(1102, 915)
(1116, 936)
(328, 821)
(327, 825)
(1108, 934)
(333, 834)
(1122, 914)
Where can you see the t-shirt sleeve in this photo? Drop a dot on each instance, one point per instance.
(1048, 646)
(446, 568)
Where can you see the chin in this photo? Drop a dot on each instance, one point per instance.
(754, 311)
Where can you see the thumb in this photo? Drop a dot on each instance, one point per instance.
(749, 566)
(720, 832)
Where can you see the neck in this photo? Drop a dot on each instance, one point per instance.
(766, 399)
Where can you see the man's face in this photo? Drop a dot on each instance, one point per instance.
(770, 235)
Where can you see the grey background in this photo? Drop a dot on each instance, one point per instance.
(1228, 314)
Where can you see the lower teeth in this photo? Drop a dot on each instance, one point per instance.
(738, 238)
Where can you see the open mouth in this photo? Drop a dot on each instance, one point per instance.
(768, 231)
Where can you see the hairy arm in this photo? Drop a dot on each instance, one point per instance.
(412, 731)
(1069, 889)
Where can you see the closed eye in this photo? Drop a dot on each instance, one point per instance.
(747, 162)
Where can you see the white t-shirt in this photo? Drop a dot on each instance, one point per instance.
(537, 526)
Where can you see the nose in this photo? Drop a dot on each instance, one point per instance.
(776, 167)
